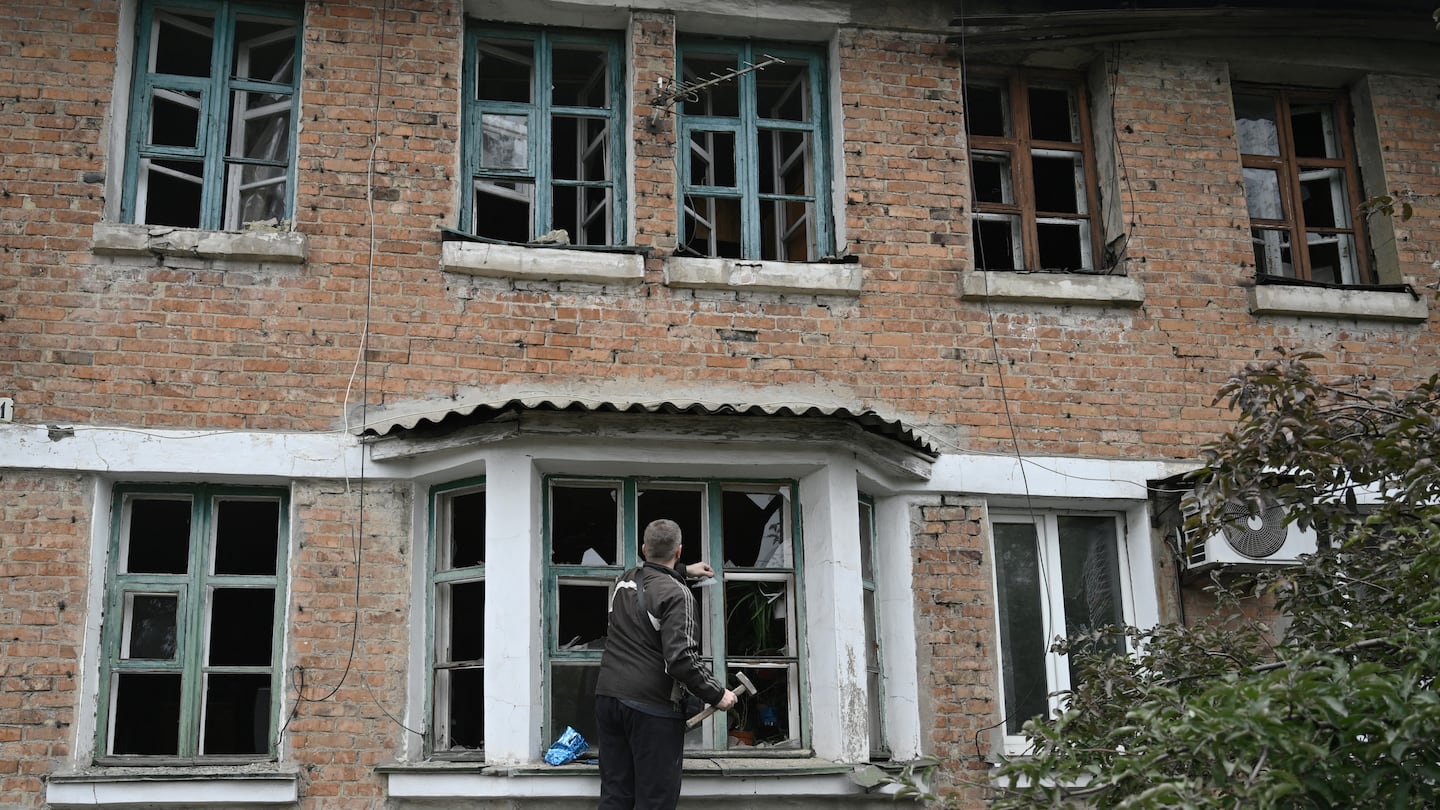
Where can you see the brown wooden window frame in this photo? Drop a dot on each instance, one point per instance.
(1289, 168)
(1021, 148)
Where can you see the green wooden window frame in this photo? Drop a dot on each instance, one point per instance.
(751, 619)
(211, 143)
(874, 666)
(456, 688)
(184, 647)
(754, 166)
(1035, 203)
(543, 135)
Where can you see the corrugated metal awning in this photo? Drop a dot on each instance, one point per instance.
(397, 420)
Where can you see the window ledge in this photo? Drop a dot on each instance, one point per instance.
(704, 778)
(160, 787)
(1379, 305)
(144, 240)
(1051, 288)
(812, 278)
(542, 264)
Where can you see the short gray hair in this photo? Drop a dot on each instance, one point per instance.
(662, 537)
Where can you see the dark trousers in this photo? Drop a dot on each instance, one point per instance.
(640, 757)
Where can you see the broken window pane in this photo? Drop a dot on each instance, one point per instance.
(1255, 125)
(1059, 181)
(991, 179)
(462, 692)
(150, 626)
(785, 230)
(504, 141)
(1262, 194)
(583, 212)
(712, 159)
(987, 111)
(247, 535)
(1332, 257)
(1323, 198)
(181, 45)
(1272, 252)
(580, 148)
(712, 226)
(572, 699)
(254, 194)
(1063, 244)
(585, 525)
(503, 209)
(685, 507)
(584, 611)
(1313, 129)
(1090, 579)
(756, 618)
(264, 49)
(174, 118)
(171, 192)
(242, 624)
(158, 541)
(260, 127)
(769, 716)
(1054, 114)
(581, 77)
(145, 716)
(782, 92)
(755, 534)
(237, 713)
(1023, 637)
(785, 162)
(462, 611)
(502, 70)
(463, 541)
(720, 99)
(867, 544)
(997, 241)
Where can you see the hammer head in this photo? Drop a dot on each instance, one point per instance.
(745, 684)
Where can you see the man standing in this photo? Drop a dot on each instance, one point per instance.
(651, 656)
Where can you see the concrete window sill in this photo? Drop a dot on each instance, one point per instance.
(704, 778)
(177, 787)
(1051, 288)
(807, 278)
(541, 264)
(1320, 302)
(114, 239)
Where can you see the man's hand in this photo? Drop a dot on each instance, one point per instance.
(727, 700)
(699, 570)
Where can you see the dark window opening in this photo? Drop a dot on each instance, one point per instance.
(247, 536)
(147, 714)
(159, 541)
(584, 525)
(467, 530)
(237, 713)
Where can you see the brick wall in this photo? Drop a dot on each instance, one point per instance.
(44, 562)
(955, 632)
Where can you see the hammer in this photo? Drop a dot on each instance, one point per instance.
(745, 687)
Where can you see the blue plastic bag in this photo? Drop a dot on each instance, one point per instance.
(567, 747)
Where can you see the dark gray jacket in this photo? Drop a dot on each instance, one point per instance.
(650, 654)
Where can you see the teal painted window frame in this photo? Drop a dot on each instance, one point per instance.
(874, 641)
(214, 125)
(747, 128)
(193, 613)
(712, 736)
(540, 113)
(442, 663)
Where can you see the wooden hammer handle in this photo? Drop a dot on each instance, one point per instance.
(745, 687)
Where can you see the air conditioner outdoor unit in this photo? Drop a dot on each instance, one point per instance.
(1255, 534)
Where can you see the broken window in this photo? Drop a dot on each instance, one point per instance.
(193, 606)
(1300, 185)
(212, 114)
(747, 619)
(753, 172)
(458, 593)
(874, 685)
(1055, 575)
(541, 115)
(1032, 183)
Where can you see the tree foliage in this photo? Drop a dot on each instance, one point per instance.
(1340, 712)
